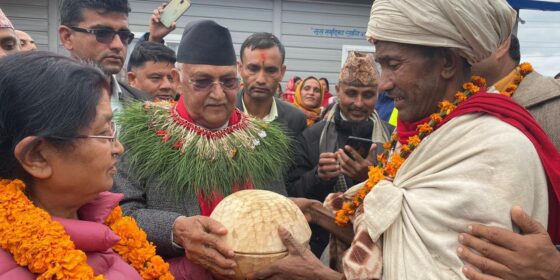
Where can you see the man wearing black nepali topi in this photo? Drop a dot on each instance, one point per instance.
(184, 157)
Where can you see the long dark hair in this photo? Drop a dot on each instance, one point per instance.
(326, 82)
(45, 95)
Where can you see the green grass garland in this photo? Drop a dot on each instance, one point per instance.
(185, 171)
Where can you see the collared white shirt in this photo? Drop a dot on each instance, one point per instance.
(272, 115)
(116, 105)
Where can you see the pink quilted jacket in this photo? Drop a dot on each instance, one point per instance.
(95, 239)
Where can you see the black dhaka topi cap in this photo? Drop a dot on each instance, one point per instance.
(206, 42)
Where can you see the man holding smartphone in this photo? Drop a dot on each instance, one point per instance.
(323, 162)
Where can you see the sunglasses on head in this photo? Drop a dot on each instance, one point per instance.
(106, 36)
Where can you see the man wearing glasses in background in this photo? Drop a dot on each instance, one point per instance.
(97, 31)
(183, 157)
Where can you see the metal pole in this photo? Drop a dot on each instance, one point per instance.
(516, 25)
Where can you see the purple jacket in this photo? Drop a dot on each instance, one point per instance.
(94, 238)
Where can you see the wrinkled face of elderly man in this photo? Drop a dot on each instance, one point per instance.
(416, 77)
(208, 92)
(26, 43)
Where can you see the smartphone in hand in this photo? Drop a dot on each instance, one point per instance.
(361, 145)
(173, 11)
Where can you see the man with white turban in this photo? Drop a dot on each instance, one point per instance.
(468, 161)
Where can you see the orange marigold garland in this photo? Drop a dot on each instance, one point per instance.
(521, 71)
(135, 248)
(35, 241)
(43, 246)
(388, 164)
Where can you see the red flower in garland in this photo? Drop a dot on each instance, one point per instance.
(179, 144)
(164, 135)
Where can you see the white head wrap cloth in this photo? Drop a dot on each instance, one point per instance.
(475, 28)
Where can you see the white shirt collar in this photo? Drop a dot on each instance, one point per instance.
(116, 105)
(272, 115)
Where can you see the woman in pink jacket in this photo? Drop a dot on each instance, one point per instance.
(58, 150)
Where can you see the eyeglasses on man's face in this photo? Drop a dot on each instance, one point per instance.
(229, 84)
(106, 36)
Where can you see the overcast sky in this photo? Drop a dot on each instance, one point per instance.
(540, 40)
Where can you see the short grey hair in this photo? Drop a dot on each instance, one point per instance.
(179, 67)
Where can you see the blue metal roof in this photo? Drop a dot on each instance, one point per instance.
(535, 5)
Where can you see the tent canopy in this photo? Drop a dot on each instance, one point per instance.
(535, 5)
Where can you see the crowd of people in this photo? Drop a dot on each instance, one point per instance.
(102, 177)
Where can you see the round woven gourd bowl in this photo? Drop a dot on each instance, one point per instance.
(252, 218)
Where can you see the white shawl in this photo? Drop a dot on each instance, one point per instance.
(471, 170)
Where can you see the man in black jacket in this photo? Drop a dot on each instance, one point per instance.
(323, 163)
(261, 67)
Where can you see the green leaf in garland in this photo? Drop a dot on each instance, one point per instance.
(186, 163)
